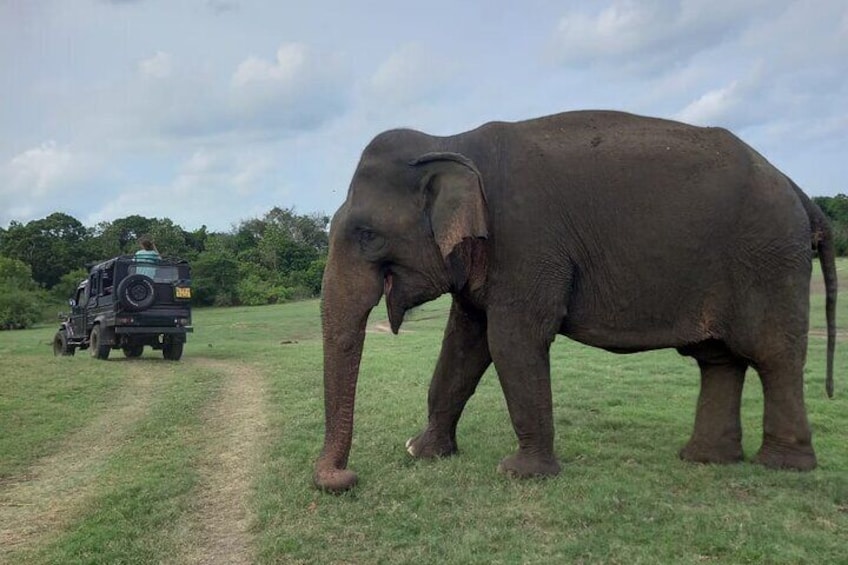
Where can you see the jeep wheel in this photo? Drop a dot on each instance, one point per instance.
(136, 293)
(172, 350)
(60, 344)
(133, 350)
(98, 349)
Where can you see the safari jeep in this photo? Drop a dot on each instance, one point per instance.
(127, 304)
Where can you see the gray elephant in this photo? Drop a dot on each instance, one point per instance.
(622, 232)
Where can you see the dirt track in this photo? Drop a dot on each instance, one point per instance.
(38, 505)
(43, 500)
(235, 429)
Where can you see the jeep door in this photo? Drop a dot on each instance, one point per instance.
(78, 310)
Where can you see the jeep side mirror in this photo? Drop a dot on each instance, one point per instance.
(72, 302)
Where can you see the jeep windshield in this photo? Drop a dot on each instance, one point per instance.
(159, 273)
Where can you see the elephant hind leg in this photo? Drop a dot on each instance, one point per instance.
(787, 439)
(717, 435)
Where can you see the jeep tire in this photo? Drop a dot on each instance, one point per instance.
(172, 350)
(136, 293)
(99, 350)
(133, 350)
(61, 346)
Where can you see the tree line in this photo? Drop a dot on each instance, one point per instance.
(275, 258)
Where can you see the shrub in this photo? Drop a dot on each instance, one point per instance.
(19, 308)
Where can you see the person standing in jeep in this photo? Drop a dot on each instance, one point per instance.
(147, 254)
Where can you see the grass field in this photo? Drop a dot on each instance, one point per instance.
(209, 460)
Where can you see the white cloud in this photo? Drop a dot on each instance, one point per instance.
(763, 79)
(201, 162)
(654, 35)
(410, 75)
(42, 170)
(158, 66)
(208, 185)
(42, 179)
(249, 174)
(289, 63)
(300, 89)
(712, 107)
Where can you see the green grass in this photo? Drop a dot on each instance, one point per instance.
(623, 496)
(146, 486)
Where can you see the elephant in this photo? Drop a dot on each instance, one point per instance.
(622, 232)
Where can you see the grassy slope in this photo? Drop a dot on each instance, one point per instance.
(622, 497)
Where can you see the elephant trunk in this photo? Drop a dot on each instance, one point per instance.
(350, 292)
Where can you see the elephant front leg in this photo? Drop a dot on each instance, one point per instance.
(717, 437)
(463, 360)
(523, 365)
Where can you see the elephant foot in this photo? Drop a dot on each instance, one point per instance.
(523, 465)
(430, 445)
(721, 454)
(780, 455)
(334, 480)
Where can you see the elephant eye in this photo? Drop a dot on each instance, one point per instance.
(370, 242)
(366, 236)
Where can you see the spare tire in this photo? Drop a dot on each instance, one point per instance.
(136, 293)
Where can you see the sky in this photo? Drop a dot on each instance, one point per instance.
(211, 112)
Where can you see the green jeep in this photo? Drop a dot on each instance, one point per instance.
(128, 303)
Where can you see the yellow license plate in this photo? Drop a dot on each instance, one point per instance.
(183, 292)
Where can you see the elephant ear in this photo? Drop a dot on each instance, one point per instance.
(456, 204)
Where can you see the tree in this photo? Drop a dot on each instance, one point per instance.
(215, 274)
(51, 246)
(309, 231)
(196, 240)
(122, 235)
(171, 239)
(67, 285)
(281, 256)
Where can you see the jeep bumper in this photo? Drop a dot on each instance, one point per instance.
(151, 330)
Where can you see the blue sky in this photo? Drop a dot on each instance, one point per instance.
(209, 112)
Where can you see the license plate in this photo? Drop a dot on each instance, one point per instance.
(183, 292)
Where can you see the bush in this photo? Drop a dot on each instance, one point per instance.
(253, 290)
(19, 308)
(307, 283)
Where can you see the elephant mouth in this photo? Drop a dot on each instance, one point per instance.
(396, 311)
(387, 283)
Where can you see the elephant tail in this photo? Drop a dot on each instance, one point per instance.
(822, 241)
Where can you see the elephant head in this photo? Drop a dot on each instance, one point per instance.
(411, 229)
